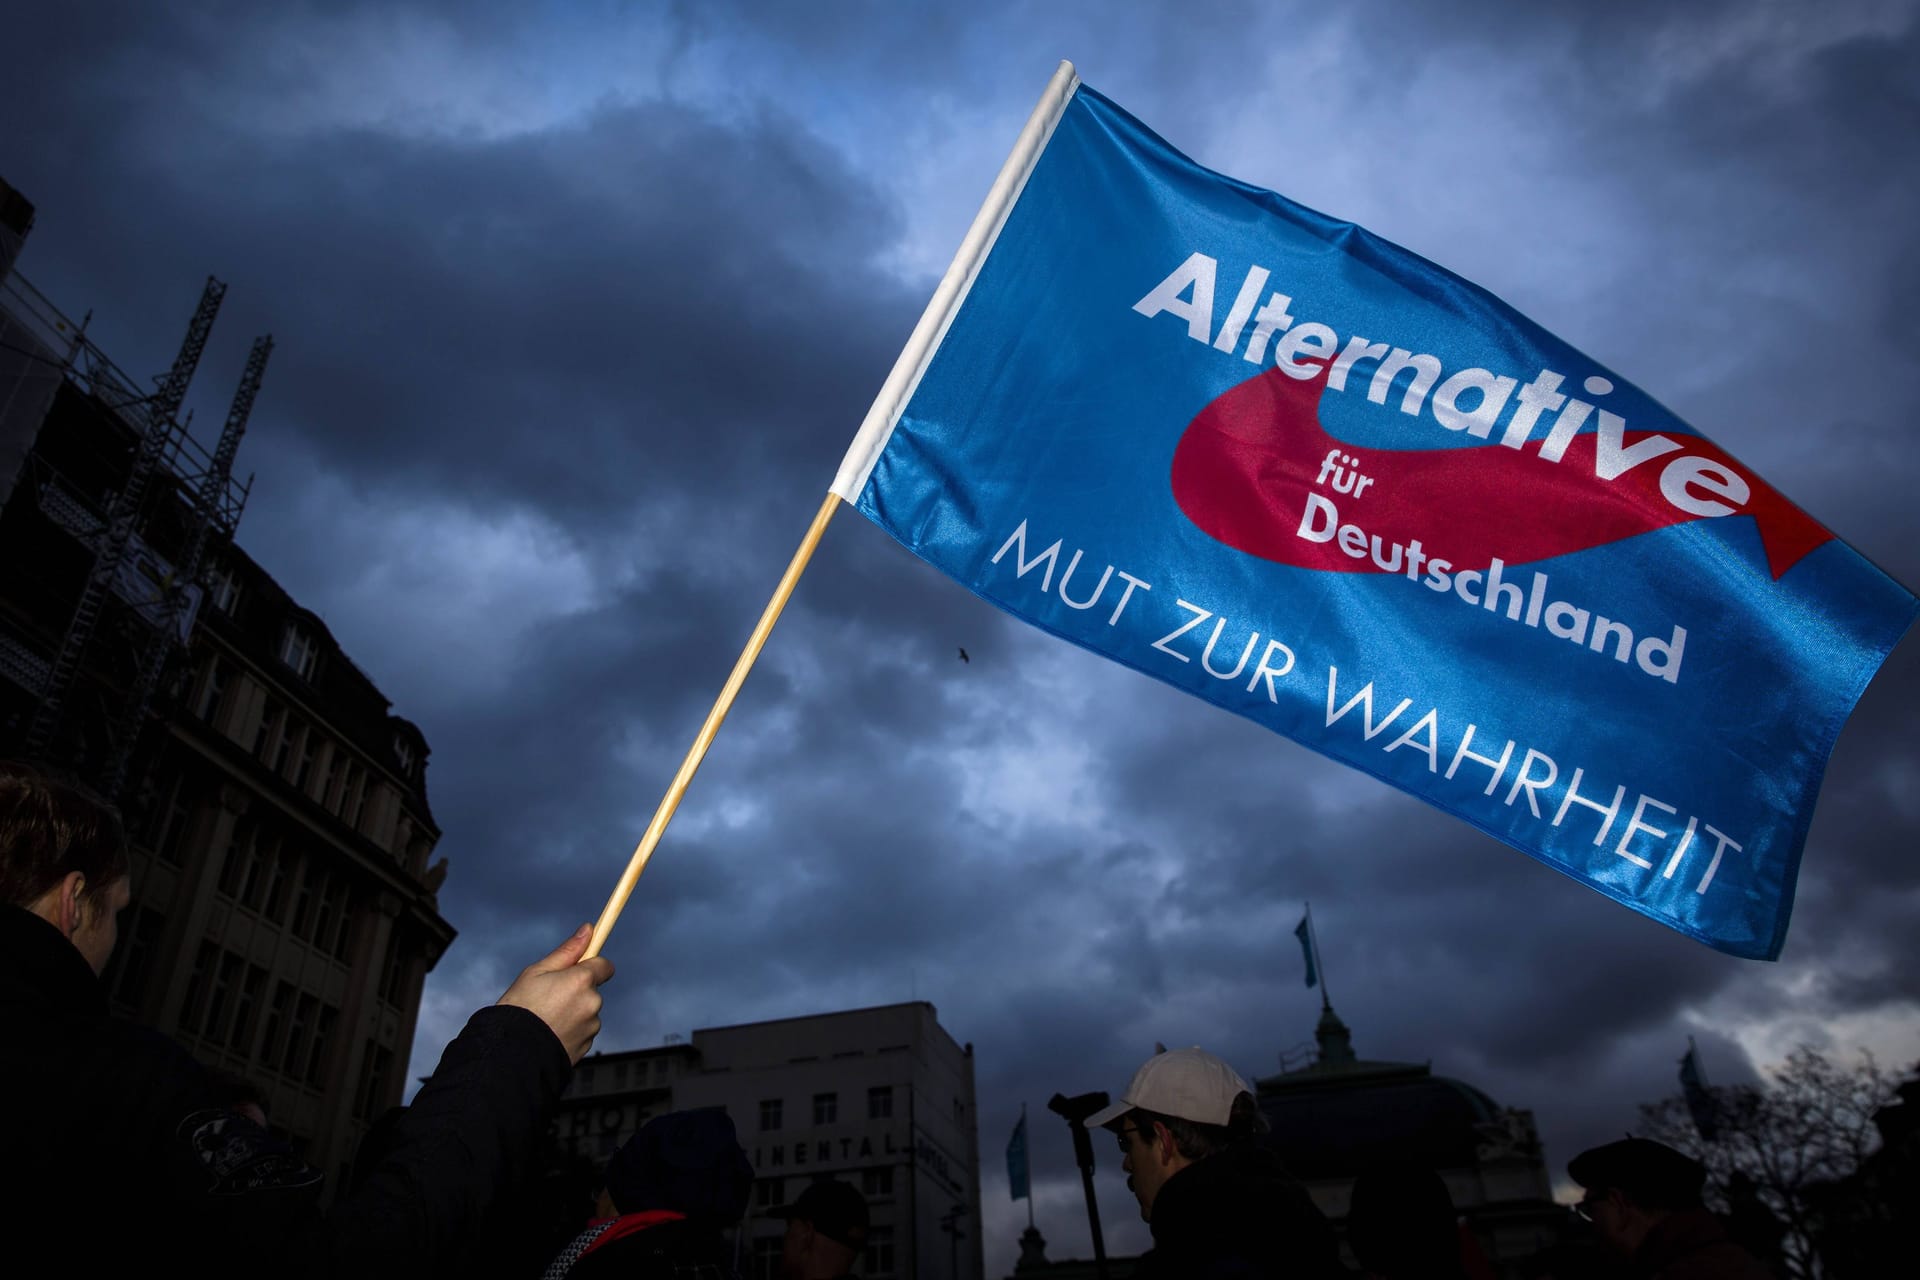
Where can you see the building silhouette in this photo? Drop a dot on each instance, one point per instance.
(283, 915)
(881, 1098)
(1337, 1116)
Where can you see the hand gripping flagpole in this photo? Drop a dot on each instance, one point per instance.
(859, 460)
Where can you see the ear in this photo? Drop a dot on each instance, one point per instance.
(70, 906)
(1163, 1143)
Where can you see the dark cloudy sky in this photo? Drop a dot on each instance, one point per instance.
(578, 305)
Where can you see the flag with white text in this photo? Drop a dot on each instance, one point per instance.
(1300, 472)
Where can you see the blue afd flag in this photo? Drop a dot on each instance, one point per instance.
(1300, 472)
(1017, 1161)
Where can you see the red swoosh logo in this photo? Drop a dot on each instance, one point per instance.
(1245, 466)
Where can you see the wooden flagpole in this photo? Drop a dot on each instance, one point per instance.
(695, 754)
(861, 456)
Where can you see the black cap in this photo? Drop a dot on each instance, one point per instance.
(1651, 1174)
(686, 1161)
(835, 1209)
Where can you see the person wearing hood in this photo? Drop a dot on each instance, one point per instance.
(1219, 1203)
(670, 1195)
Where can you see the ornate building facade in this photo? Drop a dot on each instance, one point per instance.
(283, 915)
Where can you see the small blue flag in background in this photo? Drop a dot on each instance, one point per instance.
(1700, 1100)
(1017, 1160)
(1304, 932)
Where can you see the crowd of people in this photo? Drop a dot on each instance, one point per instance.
(122, 1152)
(1222, 1207)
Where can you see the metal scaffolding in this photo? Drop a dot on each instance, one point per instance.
(168, 471)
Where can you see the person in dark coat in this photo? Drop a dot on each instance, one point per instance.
(1401, 1225)
(1219, 1203)
(827, 1227)
(125, 1156)
(1643, 1199)
(670, 1193)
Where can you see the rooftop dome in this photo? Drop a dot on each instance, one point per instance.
(1343, 1114)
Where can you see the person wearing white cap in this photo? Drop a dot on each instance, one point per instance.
(1216, 1196)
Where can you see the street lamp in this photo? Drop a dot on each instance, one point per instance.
(1076, 1110)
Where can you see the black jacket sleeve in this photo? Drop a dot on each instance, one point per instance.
(467, 1138)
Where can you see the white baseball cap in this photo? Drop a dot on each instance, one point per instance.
(1190, 1084)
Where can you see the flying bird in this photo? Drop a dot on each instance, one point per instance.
(964, 657)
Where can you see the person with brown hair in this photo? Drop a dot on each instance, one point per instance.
(63, 857)
(95, 1101)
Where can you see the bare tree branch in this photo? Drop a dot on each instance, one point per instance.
(1810, 1123)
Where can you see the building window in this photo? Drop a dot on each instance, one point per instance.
(879, 1252)
(224, 589)
(212, 690)
(769, 1114)
(276, 1020)
(323, 922)
(298, 649)
(263, 863)
(134, 957)
(171, 829)
(197, 981)
(281, 870)
(336, 754)
(246, 1009)
(766, 1257)
(290, 731)
(303, 899)
(226, 983)
(766, 1192)
(266, 734)
(877, 1184)
(322, 1040)
(304, 774)
(880, 1102)
(959, 1112)
(349, 925)
(240, 851)
(338, 802)
(373, 1081)
(826, 1108)
(248, 868)
(390, 972)
(293, 1062)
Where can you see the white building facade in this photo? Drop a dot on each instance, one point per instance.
(880, 1098)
